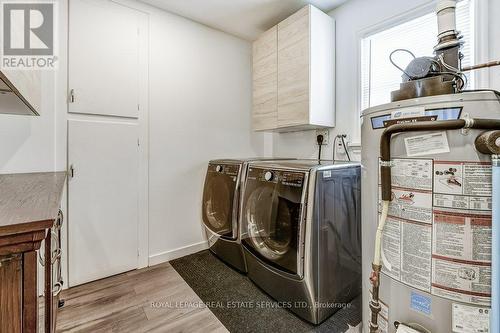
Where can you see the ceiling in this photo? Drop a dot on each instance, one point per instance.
(243, 18)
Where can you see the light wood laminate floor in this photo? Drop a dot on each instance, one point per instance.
(154, 299)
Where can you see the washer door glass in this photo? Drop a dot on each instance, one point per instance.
(218, 197)
(272, 214)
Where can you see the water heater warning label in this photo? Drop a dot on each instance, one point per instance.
(427, 144)
(461, 237)
(470, 319)
(407, 241)
(438, 233)
(462, 178)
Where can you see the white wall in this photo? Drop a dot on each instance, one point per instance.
(200, 109)
(200, 106)
(27, 142)
(352, 18)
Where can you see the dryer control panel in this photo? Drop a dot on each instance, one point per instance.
(287, 178)
(226, 169)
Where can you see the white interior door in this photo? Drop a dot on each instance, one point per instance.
(104, 58)
(107, 197)
(103, 199)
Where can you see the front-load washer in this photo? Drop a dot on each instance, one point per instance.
(221, 207)
(301, 234)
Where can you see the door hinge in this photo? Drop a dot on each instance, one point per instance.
(138, 143)
(138, 107)
(138, 254)
(71, 171)
(72, 96)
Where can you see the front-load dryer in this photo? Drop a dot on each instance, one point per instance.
(301, 234)
(221, 207)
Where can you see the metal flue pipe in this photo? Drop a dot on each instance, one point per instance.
(447, 26)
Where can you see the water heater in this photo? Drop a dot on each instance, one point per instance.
(436, 243)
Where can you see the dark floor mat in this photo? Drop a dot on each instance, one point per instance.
(217, 284)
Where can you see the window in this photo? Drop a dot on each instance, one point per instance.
(379, 77)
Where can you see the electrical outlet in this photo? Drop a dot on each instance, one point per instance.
(325, 133)
(339, 146)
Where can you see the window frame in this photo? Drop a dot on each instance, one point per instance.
(479, 49)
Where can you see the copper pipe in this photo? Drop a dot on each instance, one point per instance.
(374, 303)
(385, 140)
(385, 145)
(479, 66)
(488, 143)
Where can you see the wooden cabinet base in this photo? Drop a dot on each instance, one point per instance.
(11, 293)
(29, 205)
(18, 282)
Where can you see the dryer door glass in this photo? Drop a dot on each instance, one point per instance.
(219, 206)
(272, 214)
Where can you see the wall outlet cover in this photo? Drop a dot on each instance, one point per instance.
(339, 147)
(326, 136)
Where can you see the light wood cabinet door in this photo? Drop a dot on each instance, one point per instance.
(265, 83)
(293, 69)
(294, 73)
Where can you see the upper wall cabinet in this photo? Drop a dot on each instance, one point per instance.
(20, 92)
(265, 81)
(107, 81)
(294, 73)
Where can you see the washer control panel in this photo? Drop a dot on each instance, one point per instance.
(224, 169)
(287, 178)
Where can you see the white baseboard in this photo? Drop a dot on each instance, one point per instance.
(162, 257)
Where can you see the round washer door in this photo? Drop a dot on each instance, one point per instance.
(218, 199)
(272, 214)
(270, 224)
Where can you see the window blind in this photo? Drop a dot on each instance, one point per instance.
(379, 77)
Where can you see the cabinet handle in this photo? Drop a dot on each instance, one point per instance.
(71, 171)
(58, 285)
(60, 219)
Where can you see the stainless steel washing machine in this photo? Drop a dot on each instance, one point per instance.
(221, 206)
(301, 234)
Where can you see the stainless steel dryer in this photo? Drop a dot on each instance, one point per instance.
(221, 206)
(301, 234)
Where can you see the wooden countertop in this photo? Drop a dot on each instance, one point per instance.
(29, 201)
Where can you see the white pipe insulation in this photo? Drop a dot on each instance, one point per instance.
(380, 230)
